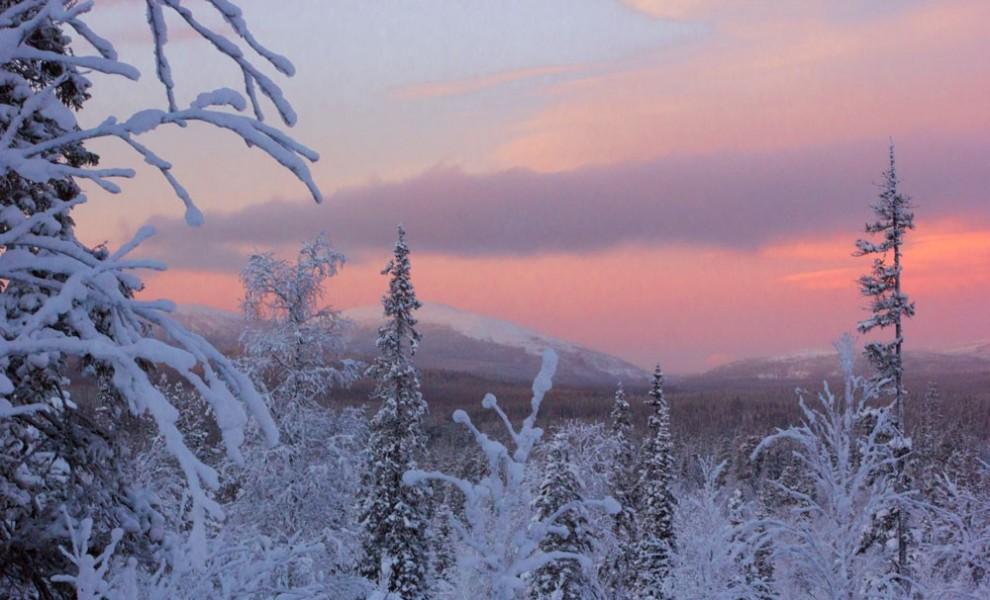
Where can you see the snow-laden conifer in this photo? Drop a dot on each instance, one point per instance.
(888, 302)
(395, 517)
(889, 306)
(84, 305)
(52, 457)
(656, 500)
(564, 579)
(619, 572)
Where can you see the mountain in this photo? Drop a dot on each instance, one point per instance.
(811, 368)
(979, 349)
(458, 340)
(453, 340)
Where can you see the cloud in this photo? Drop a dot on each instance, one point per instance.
(769, 77)
(727, 200)
(672, 9)
(468, 85)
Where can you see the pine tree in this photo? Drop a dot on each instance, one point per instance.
(563, 579)
(889, 304)
(656, 502)
(394, 517)
(619, 570)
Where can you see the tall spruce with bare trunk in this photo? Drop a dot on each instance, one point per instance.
(888, 306)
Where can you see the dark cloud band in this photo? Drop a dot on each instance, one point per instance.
(728, 200)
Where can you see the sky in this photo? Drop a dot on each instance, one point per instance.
(676, 181)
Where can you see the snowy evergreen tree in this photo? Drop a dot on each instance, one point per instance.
(62, 300)
(564, 579)
(395, 517)
(292, 344)
(619, 572)
(889, 305)
(656, 500)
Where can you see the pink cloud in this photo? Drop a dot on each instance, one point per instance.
(468, 85)
(771, 83)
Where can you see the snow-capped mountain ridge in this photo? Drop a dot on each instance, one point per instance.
(473, 325)
(454, 340)
(460, 340)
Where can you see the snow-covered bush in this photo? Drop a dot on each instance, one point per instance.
(307, 487)
(716, 552)
(500, 538)
(819, 544)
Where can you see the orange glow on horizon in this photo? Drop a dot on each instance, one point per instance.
(681, 304)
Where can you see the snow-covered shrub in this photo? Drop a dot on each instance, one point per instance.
(819, 543)
(307, 487)
(716, 551)
(500, 539)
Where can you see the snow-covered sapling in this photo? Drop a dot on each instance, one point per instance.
(291, 342)
(501, 537)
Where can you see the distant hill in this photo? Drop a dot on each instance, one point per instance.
(458, 341)
(811, 368)
(454, 340)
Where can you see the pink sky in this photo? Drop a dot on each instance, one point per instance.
(671, 181)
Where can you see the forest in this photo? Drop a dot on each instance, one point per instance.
(139, 461)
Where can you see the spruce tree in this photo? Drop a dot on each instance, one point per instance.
(619, 570)
(883, 285)
(656, 505)
(395, 516)
(889, 304)
(562, 579)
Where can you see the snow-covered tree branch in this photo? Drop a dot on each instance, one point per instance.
(62, 299)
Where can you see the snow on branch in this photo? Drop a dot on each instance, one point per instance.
(71, 300)
(34, 162)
